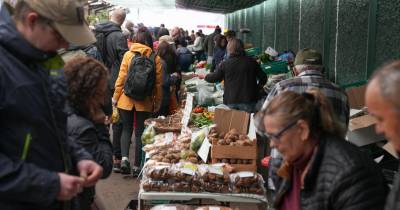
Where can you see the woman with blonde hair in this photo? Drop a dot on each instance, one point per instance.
(320, 170)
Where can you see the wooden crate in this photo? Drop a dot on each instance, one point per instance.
(236, 152)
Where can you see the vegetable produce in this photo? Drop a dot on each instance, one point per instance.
(148, 135)
(202, 120)
(198, 140)
(198, 109)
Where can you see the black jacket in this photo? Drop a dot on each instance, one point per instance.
(340, 177)
(116, 47)
(393, 199)
(208, 44)
(96, 140)
(240, 75)
(33, 145)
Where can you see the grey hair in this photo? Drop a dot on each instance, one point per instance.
(118, 16)
(388, 78)
(304, 67)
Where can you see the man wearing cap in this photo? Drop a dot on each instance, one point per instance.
(382, 100)
(40, 167)
(308, 72)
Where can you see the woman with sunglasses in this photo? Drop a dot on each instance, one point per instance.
(320, 170)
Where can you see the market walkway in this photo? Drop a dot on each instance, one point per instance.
(116, 192)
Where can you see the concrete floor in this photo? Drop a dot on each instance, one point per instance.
(115, 192)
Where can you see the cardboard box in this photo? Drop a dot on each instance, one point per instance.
(236, 152)
(356, 96)
(228, 119)
(362, 131)
(225, 121)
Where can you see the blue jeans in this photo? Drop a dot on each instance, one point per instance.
(243, 107)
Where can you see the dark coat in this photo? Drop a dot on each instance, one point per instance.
(33, 146)
(116, 46)
(96, 140)
(340, 177)
(393, 199)
(243, 79)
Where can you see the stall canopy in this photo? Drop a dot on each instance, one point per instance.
(217, 6)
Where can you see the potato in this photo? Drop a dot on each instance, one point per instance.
(222, 135)
(221, 142)
(193, 160)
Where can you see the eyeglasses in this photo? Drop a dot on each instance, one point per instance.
(278, 135)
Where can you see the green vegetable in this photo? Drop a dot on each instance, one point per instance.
(148, 135)
(201, 121)
(198, 140)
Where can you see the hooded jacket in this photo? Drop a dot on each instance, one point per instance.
(33, 145)
(116, 46)
(150, 103)
(95, 139)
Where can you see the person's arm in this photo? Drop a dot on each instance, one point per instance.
(216, 76)
(121, 46)
(205, 44)
(261, 76)
(99, 148)
(359, 188)
(123, 71)
(157, 92)
(23, 182)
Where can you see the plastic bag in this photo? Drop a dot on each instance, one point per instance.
(247, 182)
(148, 134)
(115, 115)
(205, 95)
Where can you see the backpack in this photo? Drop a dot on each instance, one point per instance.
(101, 45)
(141, 77)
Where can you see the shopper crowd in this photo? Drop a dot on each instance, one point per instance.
(56, 116)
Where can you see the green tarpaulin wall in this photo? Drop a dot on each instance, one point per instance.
(354, 36)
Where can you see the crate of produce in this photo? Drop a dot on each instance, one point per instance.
(233, 148)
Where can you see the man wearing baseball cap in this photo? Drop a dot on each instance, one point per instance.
(40, 167)
(308, 73)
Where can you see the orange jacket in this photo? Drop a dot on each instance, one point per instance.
(126, 103)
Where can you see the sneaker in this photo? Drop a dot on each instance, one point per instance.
(125, 167)
(136, 171)
(117, 167)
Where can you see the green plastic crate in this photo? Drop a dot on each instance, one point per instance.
(252, 52)
(275, 67)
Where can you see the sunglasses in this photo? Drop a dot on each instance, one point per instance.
(276, 136)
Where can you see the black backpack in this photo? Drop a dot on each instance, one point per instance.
(141, 77)
(101, 44)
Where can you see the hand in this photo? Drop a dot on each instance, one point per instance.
(201, 76)
(90, 171)
(114, 102)
(70, 186)
(108, 120)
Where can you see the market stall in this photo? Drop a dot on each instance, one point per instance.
(200, 154)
